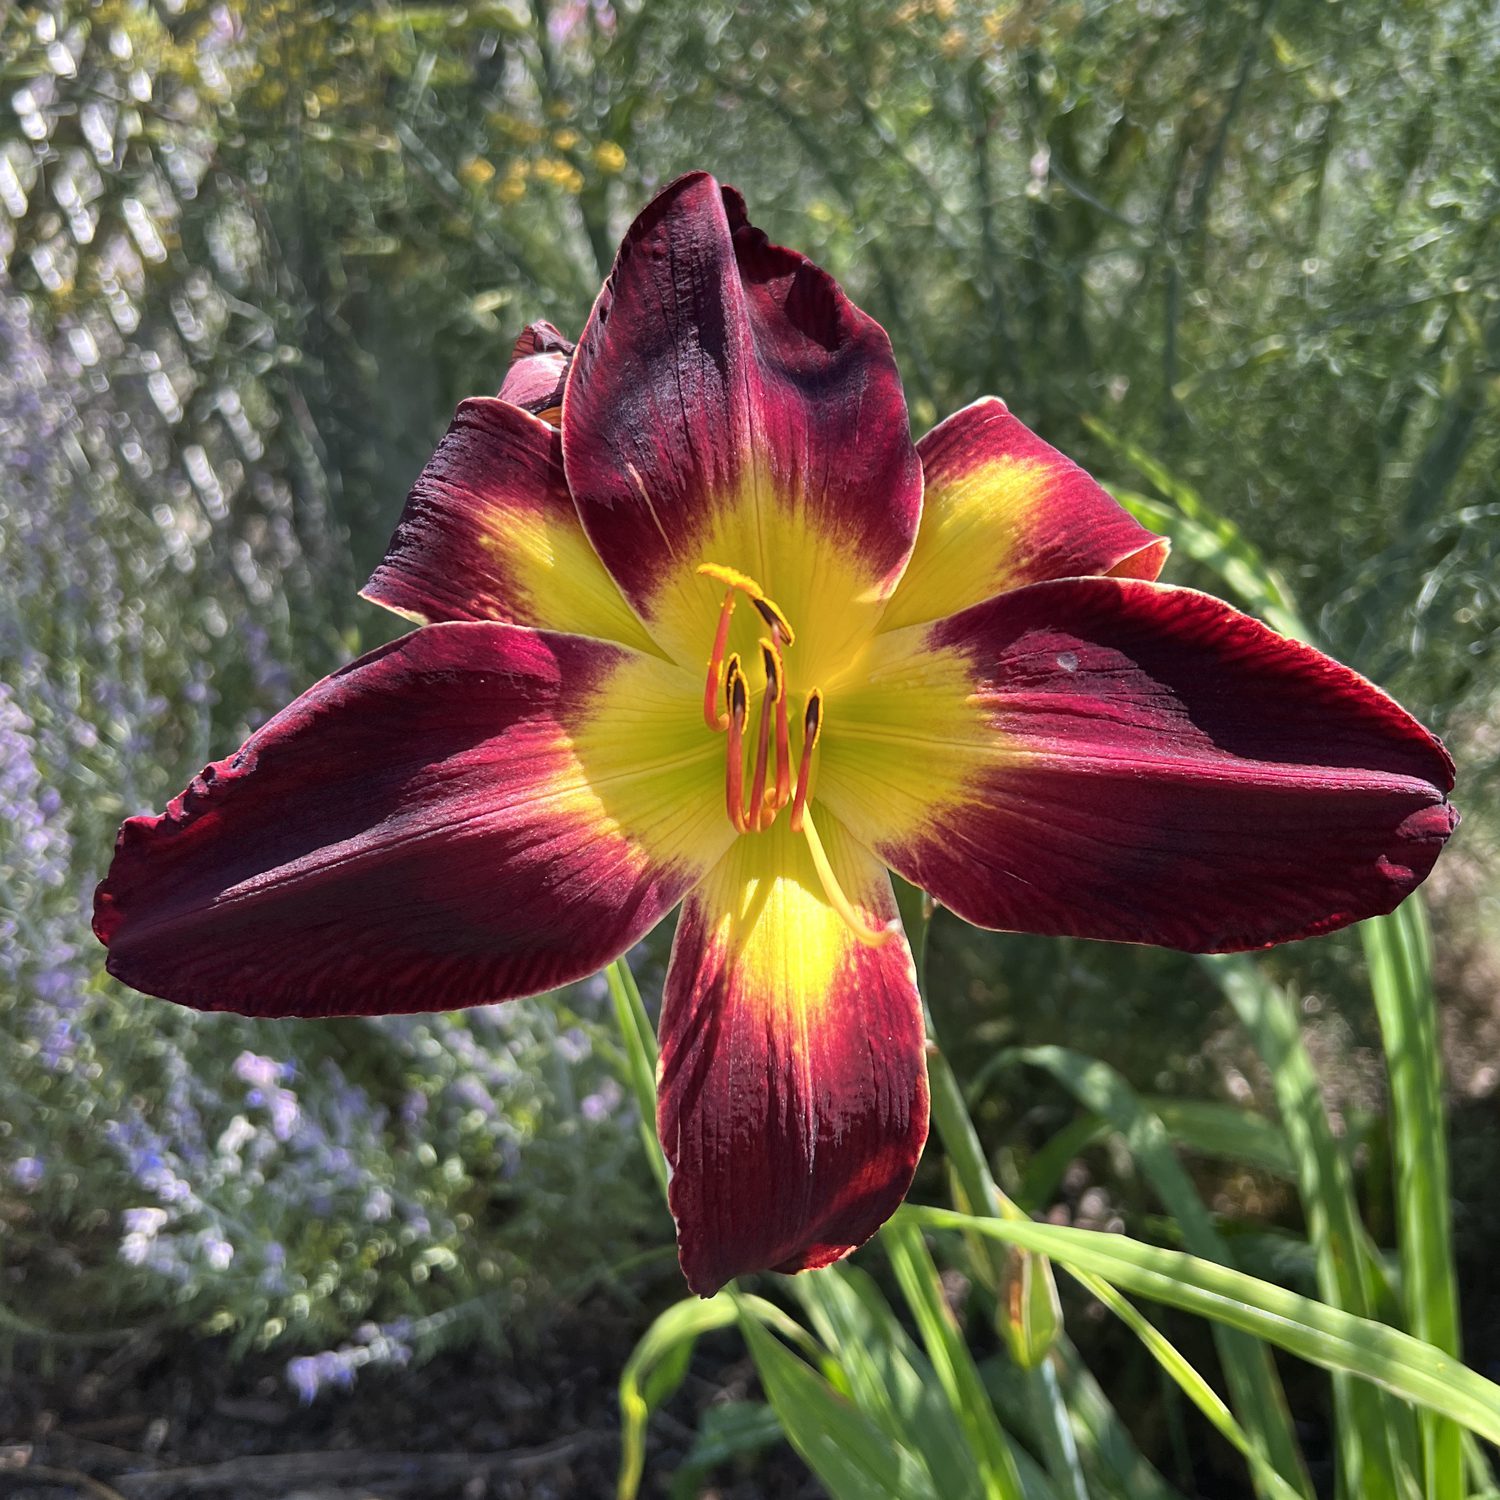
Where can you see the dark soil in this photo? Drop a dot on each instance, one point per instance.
(165, 1420)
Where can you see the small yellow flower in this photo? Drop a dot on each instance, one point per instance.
(609, 157)
(476, 171)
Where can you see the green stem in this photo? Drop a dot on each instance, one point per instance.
(640, 1053)
(950, 1114)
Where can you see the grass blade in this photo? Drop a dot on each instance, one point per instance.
(950, 1358)
(639, 1042)
(1191, 1383)
(1226, 1131)
(1313, 1331)
(1258, 1397)
(1398, 950)
(1371, 1433)
(888, 1377)
(656, 1367)
(842, 1446)
(659, 1363)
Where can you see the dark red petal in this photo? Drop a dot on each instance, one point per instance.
(793, 1080)
(489, 533)
(727, 403)
(445, 822)
(1148, 765)
(1002, 509)
(538, 369)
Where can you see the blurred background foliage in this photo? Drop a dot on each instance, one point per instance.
(254, 254)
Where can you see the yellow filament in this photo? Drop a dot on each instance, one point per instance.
(872, 937)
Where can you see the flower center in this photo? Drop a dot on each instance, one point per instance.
(726, 710)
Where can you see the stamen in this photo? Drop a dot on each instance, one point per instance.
(732, 712)
(770, 611)
(712, 715)
(737, 703)
(812, 725)
(871, 936)
(770, 658)
(783, 792)
(760, 816)
(732, 669)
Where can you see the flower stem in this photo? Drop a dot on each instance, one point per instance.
(640, 1054)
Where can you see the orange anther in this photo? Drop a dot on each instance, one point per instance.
(732, 710)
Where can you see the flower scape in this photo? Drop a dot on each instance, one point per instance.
(700, 625)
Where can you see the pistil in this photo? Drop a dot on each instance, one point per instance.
(769, 610)
(715, 717)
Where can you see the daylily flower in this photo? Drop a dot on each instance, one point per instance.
(717, 633)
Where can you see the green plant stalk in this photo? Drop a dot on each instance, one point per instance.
(1054, 1419)
(1398, 949)
(639, 1042)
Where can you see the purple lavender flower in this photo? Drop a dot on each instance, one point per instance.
(259, 1072)
(599, 1106)
(573, 1045)
(27, 1173)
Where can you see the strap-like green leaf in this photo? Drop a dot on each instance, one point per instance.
(1259, 1400)
(1311, 1330)
(842, 1446)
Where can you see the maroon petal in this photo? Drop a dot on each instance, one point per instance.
(1002, 509)
(1110, 758)
(538, 371)
(728, 404)
(793, 1078)
(450, 820)
(489, 533)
